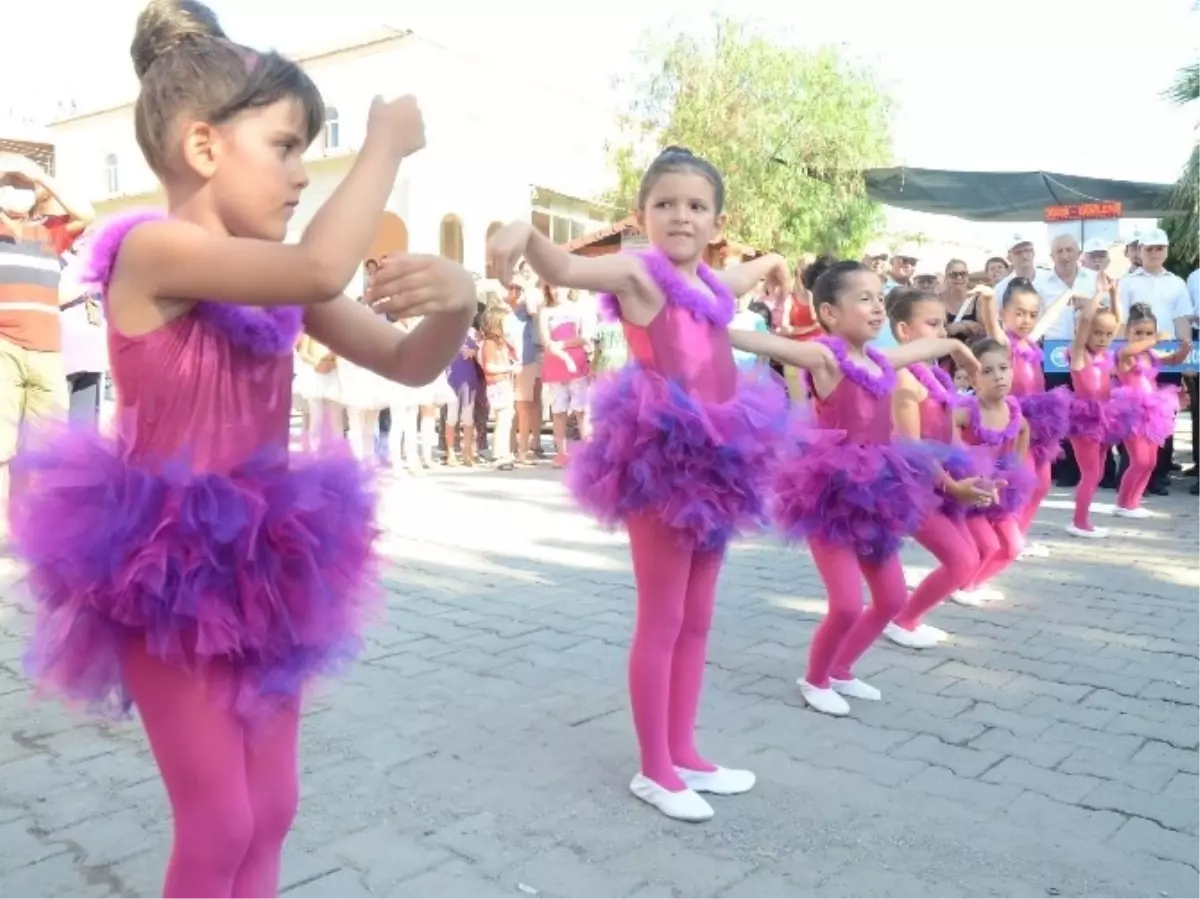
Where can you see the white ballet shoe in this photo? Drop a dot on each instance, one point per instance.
(1093, 534)
(722, 782)
(855, 689)
(913, 639)
(682, 805)
(934, 633)
(823, 699)
(1136, 512)
(977, 596)
(1034, 551)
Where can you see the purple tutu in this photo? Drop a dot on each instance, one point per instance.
(1090, 420)
(1136, 413)
(1020, 482)
(864, 496)
(1049, 417)
(702, 468)
(268, 570)
(959, 462)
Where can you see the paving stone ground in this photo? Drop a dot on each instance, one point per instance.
(483, 747)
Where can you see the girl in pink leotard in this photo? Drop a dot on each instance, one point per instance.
(923, 408)
(846, 486)
(189, 565)
(680, 452)
(1092, 429)
(991, 420)
(1143, 414)
(1020, 323)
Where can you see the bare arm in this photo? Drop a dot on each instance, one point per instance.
(76, 205)
(619, 274)
(1131, 351)
(1083, 327)
(813, 357)
(1022, 447)
(741, 278)
(415, 358)
(989, 314)
(906, 407)
(930, 349)
(1178, 355)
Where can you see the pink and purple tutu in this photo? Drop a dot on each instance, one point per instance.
(702, 468)
(267, 570)
(1049, 416)
(1019, 484)
(1139, 413)
(1091, 420)
(868, 497)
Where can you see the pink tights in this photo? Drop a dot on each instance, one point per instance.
(958, 560)
(1040, 491)
(998, 543)
(676, 592)
(1090, 456)
(848, 629)
(1143, 455)
(233, 791)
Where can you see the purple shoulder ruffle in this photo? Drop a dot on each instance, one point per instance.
(264, 330)
(715, 305)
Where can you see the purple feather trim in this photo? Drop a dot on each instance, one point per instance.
(867, 497)
(879, 385)
(263, 330)
(1090, 420)
(1137, 413)
(715, 305)
(267, 571)
(1023, 349)
(937, 383)
(1020, 481)
(989, 436)
(702, 468)
(1049, 417)
(959, 462)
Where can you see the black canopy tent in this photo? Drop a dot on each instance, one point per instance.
(1012, 196)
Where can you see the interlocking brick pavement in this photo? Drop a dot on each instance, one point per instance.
(483, 747)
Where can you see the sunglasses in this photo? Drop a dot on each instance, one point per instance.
(904, 260)
(957, 276)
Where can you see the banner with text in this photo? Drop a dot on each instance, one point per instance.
(1055, 355)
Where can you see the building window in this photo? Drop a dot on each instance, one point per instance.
(112, 175)
(333, 129)
(452, 238)
(490, 266)
(559, 227)
(541, 221)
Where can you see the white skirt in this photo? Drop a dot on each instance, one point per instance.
(312, 386)
(362, 389)
(435, 393)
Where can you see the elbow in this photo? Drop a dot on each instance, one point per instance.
(325, 281)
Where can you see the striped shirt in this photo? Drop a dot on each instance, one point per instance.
(30, 269)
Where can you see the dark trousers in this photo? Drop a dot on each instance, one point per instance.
(1066, 468)
(84, 390)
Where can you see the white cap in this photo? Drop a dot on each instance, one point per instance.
(1018, 239)
(1096, 245)
(1154, 237)
(876, 250)
(1135, 237)
(908, 251)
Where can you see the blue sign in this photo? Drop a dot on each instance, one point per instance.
(1055, 355)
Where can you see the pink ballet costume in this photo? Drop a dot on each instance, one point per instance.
(681, 451)
(1092, 429)
(996, 529)
(944, 531)
(1143, 416)
(854, 495)
(191, 567)
(1048, 413)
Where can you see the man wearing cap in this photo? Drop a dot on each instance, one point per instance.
(1095, 255)
(1020, 258)
(875, 257)
(996, 269)
(1167, 296)
(904, 264)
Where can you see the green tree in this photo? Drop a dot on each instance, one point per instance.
(1184, 230)
(790, 129)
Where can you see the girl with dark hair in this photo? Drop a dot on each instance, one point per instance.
(681, 451)
(190, 565)
(847, 486)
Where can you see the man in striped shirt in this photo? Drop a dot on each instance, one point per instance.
(32, 382)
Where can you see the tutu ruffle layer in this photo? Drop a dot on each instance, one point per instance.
(864, 496)
(1136, 413)
(1091, 420)
(1049, 418)
(702, 468)
(1019, 483)
(959, 462)
(266, 571)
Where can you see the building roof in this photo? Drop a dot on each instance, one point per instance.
(613, 233)
(42, 154)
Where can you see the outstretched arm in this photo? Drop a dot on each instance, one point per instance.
(929, 349)
(809, 355)
(741, 278)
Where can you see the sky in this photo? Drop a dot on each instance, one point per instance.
(1019, 85)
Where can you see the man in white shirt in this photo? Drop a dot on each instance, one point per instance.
(1095, 255)
(903, 265)
(1167, 296)
(1067, 274)
(1021, 257)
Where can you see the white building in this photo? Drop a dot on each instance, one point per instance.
(499, 147)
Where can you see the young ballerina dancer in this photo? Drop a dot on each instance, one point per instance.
(188, 565)
(1020, 324)
(992, 421)
(1143, 413)
(680, 452)
(847, 488)
(923, 407)
(1092, 429)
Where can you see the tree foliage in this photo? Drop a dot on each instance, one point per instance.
(790, 129)
(1184, 230)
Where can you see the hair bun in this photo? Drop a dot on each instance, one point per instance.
(674, 150)
(165, 24)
